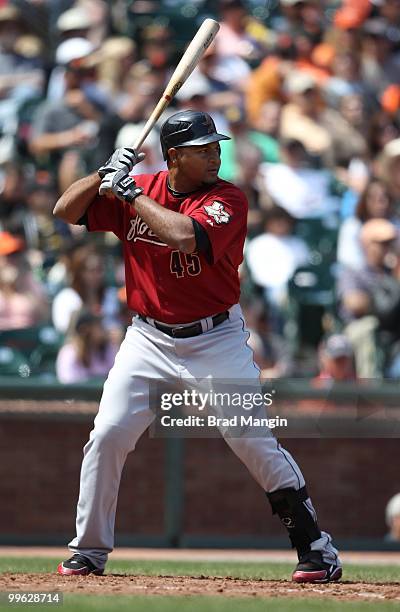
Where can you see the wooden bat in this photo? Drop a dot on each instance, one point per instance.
(201, 41)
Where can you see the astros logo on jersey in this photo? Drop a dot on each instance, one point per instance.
(217, 212)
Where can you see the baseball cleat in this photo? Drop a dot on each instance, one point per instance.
(311, 568)
(78, 565)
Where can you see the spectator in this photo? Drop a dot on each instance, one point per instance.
(268, 123)
(390, 11)
(348, 133)
(45, 235)
(352, 14)
(307, 56)
(321, 129)
(390, 100)
(379, 60)
(382, 129)
(390, 170)
(335, 366)
(116, 57)
(68, 130)
(347, 79)
(157, 47)
(141, 89)
(21, 77)
(250, 39)
(23, 302)
(301, 117)
(287, 252)
(250, 181)
(70, 54)
(309, 194)
(336, 361)
(354, 180)
(266, 82)
(370, 297)
(99, 11)
(392, 513)
(12, 195)
(242, 135)
(88, 353)
(374, 203)
(271, 353)
(32, 219)
(294, 14)
(226, 75)
(88, 289)
(74, 23)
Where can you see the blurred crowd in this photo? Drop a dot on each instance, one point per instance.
(309, 92)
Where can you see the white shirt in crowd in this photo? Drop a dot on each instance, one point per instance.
(272, 260)
(349, 249)
(303, 192)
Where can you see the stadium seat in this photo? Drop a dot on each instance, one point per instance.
(320, 235)
(35, 346)
(13, 363)
(311, 293)
(44, 355)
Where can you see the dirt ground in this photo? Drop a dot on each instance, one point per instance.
(126, 584)
(117, 584)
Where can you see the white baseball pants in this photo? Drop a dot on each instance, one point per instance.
(145, 354)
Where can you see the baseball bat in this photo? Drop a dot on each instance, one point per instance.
(189, 60)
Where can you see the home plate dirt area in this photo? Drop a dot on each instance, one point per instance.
(114, 584)
(130, 584)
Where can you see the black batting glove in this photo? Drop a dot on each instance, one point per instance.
(122, 159)
(121, 185)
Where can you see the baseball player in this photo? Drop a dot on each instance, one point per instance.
(183, 232)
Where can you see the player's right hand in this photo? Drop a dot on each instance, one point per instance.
(121, 185)
(122, 159)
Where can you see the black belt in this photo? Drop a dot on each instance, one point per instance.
(187, 331)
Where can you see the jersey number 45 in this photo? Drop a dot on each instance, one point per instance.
(182, 264)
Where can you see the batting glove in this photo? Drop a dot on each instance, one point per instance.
(122, 159)
(120, 184)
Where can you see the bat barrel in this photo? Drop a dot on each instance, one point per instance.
(201, 41)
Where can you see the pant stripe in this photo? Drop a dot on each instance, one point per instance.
(278, 446)
(249, 347)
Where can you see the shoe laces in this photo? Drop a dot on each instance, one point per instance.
(80, 559)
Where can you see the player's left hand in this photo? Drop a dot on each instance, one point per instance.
(123, 158)
(121, 185)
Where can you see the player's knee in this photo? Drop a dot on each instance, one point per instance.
(111, 438)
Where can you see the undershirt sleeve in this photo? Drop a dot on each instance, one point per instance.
(83, 221)
(203, 244)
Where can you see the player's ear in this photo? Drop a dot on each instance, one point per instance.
(172, 155)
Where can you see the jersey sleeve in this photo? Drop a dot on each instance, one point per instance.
(224, 218)
(109, 214)
(106, 215)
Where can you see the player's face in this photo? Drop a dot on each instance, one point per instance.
(198, 165)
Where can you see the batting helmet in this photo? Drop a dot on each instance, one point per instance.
(188, 128)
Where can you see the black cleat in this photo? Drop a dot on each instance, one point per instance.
(312, 568)
(78, 565)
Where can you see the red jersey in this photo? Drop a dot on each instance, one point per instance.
(163, 283)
